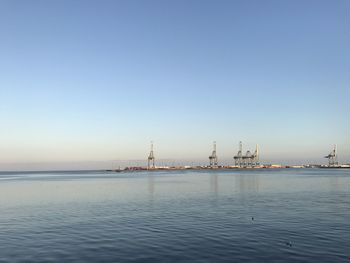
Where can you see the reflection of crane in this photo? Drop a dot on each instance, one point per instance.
(151, 158)
(213, 159)
(332, 157)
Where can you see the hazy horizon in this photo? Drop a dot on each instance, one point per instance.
(86, 84)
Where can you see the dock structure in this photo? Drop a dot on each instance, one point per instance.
(247, 160)
(332, 157)
(151, 158)
(213, 159)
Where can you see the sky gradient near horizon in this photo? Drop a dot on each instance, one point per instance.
(95, 81)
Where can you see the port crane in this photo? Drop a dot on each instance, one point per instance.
(249, 159)
(239, 157)
(255, 157)
(151, 158)
(332, 157)
(213, 159)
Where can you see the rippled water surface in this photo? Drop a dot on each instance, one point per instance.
(188, 216)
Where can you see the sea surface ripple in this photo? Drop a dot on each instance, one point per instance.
(291, 215)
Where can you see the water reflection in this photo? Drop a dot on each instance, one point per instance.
(214, 184)
(334, 184)
(235, 183)
(178, 216)
(247, 183)
(151, 187)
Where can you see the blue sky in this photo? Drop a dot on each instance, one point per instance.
(95, 81)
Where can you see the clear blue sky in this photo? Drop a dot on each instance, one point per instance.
(97, 80)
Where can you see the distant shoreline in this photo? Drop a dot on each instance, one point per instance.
(135, 169)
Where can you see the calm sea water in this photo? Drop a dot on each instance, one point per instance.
(295, 215)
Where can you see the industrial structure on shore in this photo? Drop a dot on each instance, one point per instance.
(151, 159)
(247, 160)
(333, 160)
(213, 159)
(332, 157)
